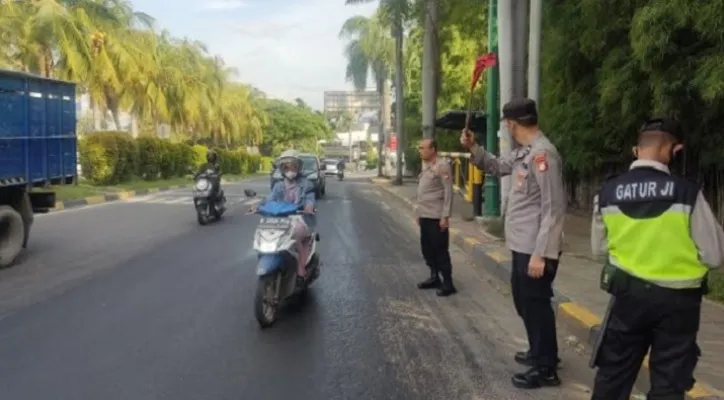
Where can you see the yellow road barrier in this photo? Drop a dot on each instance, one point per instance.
(465, 175)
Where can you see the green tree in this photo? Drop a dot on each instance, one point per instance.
(292, 126)
(115, 56)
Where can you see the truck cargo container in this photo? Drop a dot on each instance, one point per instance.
(38, 147)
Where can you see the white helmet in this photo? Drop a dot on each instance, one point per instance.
(289, 157)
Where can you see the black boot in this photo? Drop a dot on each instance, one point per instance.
(447, 288)
(536, 377)
(433, 282)
(524, 358)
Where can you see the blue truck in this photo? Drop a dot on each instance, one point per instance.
(38, 149)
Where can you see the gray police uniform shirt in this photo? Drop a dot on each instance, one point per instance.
(434, 190)
(705, 230)
(536, 206)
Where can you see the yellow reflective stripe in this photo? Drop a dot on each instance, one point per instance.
(676, 207)
(694, 283)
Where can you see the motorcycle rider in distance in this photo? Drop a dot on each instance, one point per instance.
(296, 189)
(212, 163)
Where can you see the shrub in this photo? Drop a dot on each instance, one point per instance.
(265, 164)
(199, 155)
(108, 158)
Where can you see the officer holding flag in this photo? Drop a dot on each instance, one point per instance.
(533, 232)
(661, 238)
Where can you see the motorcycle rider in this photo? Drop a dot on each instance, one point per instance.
(297, 189)
(212, 163)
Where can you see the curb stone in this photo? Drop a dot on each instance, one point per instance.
(122, 195)
(581, 321)
(110, 197)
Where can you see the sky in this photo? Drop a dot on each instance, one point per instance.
(286, 48)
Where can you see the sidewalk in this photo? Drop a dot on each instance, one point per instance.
(580, 301)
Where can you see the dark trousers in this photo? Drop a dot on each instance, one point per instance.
(647, 316)
(435, 244)
(532, 299)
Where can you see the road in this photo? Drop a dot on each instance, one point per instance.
(134, 300)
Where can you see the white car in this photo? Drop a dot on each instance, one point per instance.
(332, 167)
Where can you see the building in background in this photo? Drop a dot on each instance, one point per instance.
(363, 107)
(356, 103)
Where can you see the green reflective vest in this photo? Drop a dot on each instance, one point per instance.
(646, 213)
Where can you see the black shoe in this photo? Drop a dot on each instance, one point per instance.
(524, 358)
(446, 289)
(536, 378)
(432, 282)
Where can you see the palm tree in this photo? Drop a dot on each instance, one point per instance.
(394, 13)
(370, 51)
(116, 57)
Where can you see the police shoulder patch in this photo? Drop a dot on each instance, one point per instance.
(541, 161)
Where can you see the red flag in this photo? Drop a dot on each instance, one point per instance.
(485, 61)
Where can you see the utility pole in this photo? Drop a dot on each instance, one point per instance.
(349, 135)
(399, 96)
(535, 28)
(505, 65)
(520, 49)
(429, 73)
(492, 188)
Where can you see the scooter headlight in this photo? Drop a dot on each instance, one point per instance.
(202, 185)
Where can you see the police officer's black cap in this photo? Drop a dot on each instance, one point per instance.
(521, 109)
(663, 124)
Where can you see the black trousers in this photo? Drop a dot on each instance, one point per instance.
(435, 244)
(647, 316)
(532, 299)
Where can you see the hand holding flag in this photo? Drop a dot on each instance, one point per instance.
(482, 63)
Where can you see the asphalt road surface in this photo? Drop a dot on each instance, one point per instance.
(135, 300)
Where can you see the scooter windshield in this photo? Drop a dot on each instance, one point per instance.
(277, 209)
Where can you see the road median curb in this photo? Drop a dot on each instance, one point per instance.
(580, 321)
(122, 195)
(111, 197)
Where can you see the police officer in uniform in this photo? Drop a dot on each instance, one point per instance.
(434, 206)
(533, 231)
(661, 238)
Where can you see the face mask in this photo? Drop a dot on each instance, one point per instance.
(291, 175)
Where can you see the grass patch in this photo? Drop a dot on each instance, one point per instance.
(716, 286)
(84, 189)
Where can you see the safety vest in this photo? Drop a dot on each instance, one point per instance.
(646, 213)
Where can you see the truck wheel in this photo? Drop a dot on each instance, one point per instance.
(26, 211)
(12, 235)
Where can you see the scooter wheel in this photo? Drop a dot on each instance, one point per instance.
(265, 309)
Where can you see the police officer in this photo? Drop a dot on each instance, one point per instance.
(661, 238)
(533, 229)
(434, 206)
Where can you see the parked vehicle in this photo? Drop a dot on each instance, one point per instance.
(333, 167)
(209, 206)
(38, 148)
(312, 168)
(277, 260)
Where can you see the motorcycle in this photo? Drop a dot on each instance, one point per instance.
(340, 175)
(277, 260)
(209, 206)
